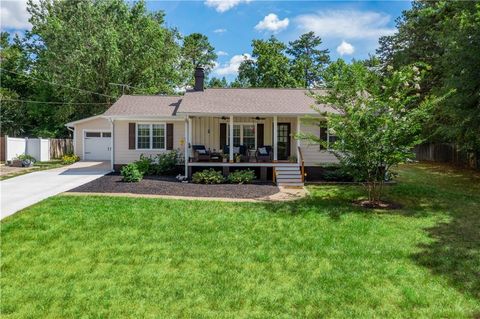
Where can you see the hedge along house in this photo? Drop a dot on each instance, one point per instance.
(261, 124)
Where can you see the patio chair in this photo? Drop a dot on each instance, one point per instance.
(200, 153)
(264, 154)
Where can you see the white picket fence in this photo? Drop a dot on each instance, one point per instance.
(39, 148)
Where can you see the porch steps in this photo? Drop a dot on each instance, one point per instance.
(288, 176)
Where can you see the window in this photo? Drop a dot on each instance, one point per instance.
(106, 134)
(143, 136)
(331, 138)
(327, 136)
(243, 134)
(237, 139)
(249, 136)
(92, 134)
(151, 136)
(158, 136)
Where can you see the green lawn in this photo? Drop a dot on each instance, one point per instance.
(321, 257)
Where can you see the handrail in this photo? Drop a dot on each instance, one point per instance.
(302, 162)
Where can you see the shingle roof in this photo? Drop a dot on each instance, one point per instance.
(144, 105)
(250, 101)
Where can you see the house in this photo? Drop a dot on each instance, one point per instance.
(260, 124)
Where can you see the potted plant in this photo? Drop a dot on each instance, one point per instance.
(27, 160)
(238, 158)
(224, 158)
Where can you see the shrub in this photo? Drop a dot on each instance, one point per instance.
(241, 177)
(131, 173)
(69, 159)
(165, 163)
(26, 157)
(208, 176)
(337, 175)
(145, 165)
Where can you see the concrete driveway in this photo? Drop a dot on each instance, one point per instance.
(25, 190)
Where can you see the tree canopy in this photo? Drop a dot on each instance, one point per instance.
(308, 60)
(275, 64)
(199, 52)
(83, 55)
(446, 36)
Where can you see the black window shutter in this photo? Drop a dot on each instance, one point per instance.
(169, 136)
(260, 135)
(223, 135)
(131, 136)
(323, 136)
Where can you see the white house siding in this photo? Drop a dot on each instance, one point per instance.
(312, 155)
(92, 125)
(124, 155)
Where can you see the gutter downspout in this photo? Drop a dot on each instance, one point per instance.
(72, 129)
(112, 153)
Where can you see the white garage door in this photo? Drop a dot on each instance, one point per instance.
(98, 146)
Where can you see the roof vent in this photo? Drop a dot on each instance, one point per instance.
(199, 79)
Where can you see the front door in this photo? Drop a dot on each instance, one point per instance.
(283, 140)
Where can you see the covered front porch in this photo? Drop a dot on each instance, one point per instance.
(254, 139)
(264, 144)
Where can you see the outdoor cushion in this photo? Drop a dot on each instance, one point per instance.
(263, 151)
(236, 150)
(202, 151)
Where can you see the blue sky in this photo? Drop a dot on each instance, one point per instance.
(349, 29)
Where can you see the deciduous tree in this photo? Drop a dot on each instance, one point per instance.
(378, 121)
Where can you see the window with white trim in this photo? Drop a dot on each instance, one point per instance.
(151, 136)
(243, 134)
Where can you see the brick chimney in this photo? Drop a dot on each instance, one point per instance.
(199, 79)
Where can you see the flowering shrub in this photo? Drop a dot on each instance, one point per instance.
(69, 159)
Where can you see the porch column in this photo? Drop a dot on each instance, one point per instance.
(186, 147)
(230, 148)
(298, 140)
(275, 138)
(190, 139)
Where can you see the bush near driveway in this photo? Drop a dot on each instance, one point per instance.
(320, 257)
(70, 159)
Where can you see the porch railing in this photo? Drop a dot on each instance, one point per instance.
(302, 163)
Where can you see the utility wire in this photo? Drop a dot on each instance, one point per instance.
(53, 83)
(44, 102)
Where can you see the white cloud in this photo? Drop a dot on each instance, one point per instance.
(345, 48)
(14, 15)
(231, 67)
(346, 24)
(272, 23)
(222, 53)
(220, 30)
(224, 5)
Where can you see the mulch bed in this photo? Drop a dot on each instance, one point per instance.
(160, 185)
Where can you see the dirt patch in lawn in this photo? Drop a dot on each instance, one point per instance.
(377, 205)
(170, 186)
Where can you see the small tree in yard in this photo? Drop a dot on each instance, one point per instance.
(378, 123)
